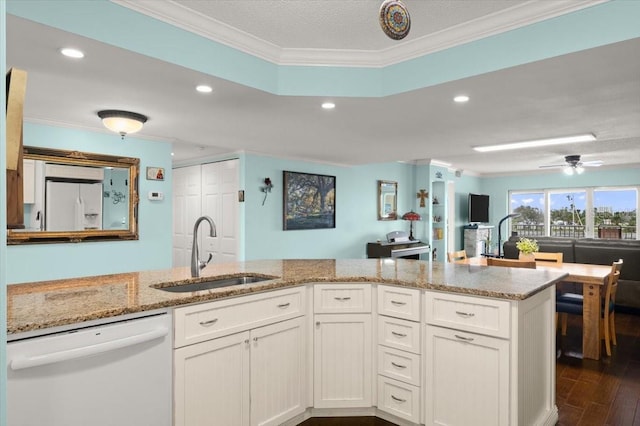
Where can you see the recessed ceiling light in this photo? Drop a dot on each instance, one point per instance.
(172, 154)
(203, 88)
(72, 53)
(328, 105)
(537, 143)
(461, 99)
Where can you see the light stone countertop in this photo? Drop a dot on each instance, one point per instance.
(45, 304)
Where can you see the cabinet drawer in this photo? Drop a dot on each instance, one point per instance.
(474, 314)
(399, 334)
(399, 399)
(198, 323)
(341, 298)
(399, 365)
(399, 302)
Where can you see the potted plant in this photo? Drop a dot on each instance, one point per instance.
(527, 247)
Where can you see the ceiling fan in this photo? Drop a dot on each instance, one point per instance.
(574, 165)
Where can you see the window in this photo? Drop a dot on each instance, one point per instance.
(530, 207)
(615, 213)
(609, 213)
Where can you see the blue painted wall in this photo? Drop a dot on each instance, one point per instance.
(36, 262)
(356, 207)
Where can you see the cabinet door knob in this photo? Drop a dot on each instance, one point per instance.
(255, 339)
(318, 323)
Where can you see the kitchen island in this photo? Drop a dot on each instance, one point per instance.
(477, 330)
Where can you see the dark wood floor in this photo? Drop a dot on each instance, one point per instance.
(589, 393)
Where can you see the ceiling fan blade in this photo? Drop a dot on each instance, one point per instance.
(552, 166)
(595, 163)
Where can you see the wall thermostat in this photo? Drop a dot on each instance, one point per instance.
(156, 196)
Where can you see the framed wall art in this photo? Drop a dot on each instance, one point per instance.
(309, 201)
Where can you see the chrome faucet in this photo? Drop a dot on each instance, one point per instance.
(196, 263)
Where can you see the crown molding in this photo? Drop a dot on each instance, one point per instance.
(517, 16)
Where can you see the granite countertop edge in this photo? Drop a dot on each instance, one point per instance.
(137, 292)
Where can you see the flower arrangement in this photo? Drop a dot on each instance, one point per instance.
(527, 246)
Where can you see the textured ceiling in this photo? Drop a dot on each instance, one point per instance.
(338, 24)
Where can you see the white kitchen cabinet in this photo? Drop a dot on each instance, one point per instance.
(342, 360)
(29, 181)
(212, 382)
(467, 378)
(489, 362)
(343, 346)
(399, 352)
(277, 372)
(252, 378)
(241, 361)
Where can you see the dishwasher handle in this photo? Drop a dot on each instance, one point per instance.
(24, 361)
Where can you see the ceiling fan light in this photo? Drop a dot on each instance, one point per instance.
(122, 122)
(568, 171)
(579, 170)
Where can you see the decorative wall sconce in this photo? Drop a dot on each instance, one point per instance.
(266, 188)
(122, 122)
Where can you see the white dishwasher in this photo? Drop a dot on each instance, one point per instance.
(112, 374)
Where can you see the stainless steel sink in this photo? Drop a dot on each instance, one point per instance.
(217, 283)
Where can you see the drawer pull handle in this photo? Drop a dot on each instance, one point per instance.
(466, 339)
(395, 398)
(395, 333)
(284, 305)
(395, 302)
(342, 299)
(466, 314)
(398, 365)
(208, 323)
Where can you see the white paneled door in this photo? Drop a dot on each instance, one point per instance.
(220, 201)
(208, 189)
(187, 205)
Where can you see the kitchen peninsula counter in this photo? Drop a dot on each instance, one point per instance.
(46, 304)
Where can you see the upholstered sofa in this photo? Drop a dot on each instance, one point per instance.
(596, 251)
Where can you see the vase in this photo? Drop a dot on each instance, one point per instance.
(528, 257)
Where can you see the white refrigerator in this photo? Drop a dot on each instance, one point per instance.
(71, 206)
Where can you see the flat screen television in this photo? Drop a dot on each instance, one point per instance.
(478, 208)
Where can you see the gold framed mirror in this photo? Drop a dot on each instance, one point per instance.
(387, 200)
(73, 196)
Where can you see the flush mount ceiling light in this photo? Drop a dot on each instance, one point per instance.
(461, 99)
(122, 122)
(328, 105)
(537, 143)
